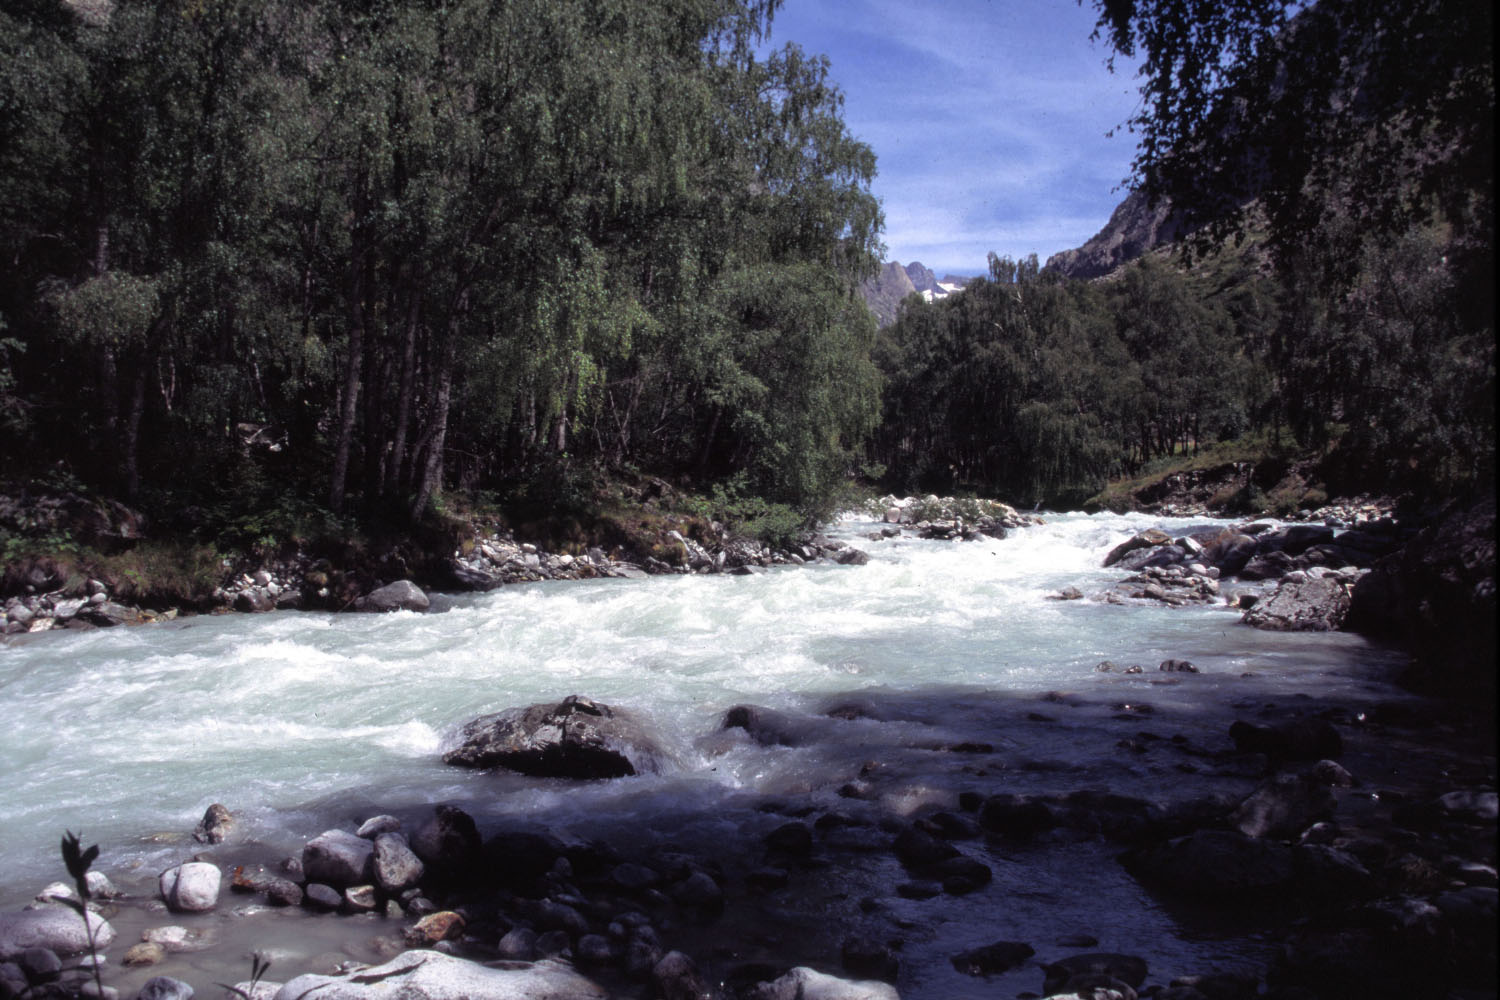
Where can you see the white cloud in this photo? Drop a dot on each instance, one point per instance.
(988, 120)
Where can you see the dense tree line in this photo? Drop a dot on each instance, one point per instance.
(1040, 388)
(1336, 164)
(1044, 388)
(350, 252)
(405, 243)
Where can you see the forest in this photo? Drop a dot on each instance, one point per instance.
(1333, 167)
(354, 252)
(349, 255)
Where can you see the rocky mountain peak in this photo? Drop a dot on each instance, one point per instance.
(884, 292)
(1135, 228)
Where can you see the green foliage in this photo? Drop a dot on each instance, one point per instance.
(1394, 358)
(1357, 142)
(745, 513)
(1383, 112)
(162, 573)
(1029, 387)
(471, 243)
(286, 521)
(113, 310)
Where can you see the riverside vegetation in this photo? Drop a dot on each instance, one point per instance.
(281, 270)
(303, 299)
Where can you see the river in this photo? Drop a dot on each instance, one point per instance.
(301, 721)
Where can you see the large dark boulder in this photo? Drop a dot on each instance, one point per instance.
(1157, 555)
(992, 958)
(1214, 865)
(1437, 596)
(1312, 605)
(576, 738)
(1147, 539)
(1296, 539)
(1230, 551)
(1061, 974)
(1294, 739)
(765, 726)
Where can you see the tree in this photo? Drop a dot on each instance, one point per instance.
(1359, 137)
(1383, 111)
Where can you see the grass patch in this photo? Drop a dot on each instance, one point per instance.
(162, 574)
(1267, 456)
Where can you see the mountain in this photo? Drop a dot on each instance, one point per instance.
(1134, 229)
(884, 292)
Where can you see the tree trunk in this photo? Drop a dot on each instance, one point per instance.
(352, 365)
(398, 464)
(706, 452)
(133, 430)
(432, 469)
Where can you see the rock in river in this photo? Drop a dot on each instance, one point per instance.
(192, 887)
(403, 595)
(803, 983)
(431, 975)
(577, 738)
(1219, 865)
(54, 927)
(1313, 605)
(338, 858)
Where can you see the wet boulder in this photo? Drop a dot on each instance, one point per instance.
(1284, 806)
(191, 887)
(1067, 974)
(1222, 865)
(55, 928)
(765, 726)
(1149, 538)
(403, 595)
(1296, 539)
(1294, 739)
(677, 978)
(337, 858)
(432, 975)
(448, 843)
(165, 988)
(992, 958)
(215, 826)
(1268, 566)
(1157, 555)
(803, 983)
(1018, 816)
(916, 848)
(1312, 605)
(576, 738)
(395, 866)
(1230, 550)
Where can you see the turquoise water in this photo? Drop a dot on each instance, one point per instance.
(298, 721)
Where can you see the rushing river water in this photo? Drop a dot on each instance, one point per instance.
(299, 721)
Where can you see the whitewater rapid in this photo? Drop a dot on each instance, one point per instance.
(301, 720)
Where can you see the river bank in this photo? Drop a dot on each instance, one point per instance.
(873, 771)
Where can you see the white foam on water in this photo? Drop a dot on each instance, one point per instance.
(297, 715)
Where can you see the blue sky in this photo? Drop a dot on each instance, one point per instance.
(988, 119)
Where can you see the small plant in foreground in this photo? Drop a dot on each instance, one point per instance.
(78, 860)
(259, 965)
